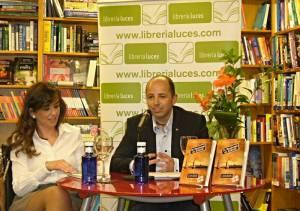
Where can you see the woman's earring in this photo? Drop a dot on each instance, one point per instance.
(33, 116)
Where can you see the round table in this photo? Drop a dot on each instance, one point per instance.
(156, 191)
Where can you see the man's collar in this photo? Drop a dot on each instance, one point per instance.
(168, 126)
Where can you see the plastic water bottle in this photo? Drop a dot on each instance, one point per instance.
(89, 165)
(141, 164)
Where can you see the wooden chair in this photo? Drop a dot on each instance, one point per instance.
(6, 191)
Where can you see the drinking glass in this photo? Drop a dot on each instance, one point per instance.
(183, 142)
(104, 146)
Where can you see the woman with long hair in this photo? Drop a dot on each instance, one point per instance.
(44, 150)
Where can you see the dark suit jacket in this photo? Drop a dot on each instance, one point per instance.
(184, 123)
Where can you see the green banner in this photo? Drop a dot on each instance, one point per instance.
(187, 13)
(146, 53)
(213, 51)
(120, 15)
(120, 93)
(185, 90)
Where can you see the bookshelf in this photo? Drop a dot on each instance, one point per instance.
(256, 61)
(40, 55)
(285, 105)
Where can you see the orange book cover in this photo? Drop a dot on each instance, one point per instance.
(230, 162)
(198, 161)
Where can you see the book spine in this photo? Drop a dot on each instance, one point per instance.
(85, 103)
(80, 14)
(47, 36)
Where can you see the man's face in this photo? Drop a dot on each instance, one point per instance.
(160, 99)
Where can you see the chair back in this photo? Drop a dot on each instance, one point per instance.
(9, 193)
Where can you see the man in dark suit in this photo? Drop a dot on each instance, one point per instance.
(161, 132)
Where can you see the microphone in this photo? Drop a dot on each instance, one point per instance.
(144, 117)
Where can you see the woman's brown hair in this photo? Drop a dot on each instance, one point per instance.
(39, 96)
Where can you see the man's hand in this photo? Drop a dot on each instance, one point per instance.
(60, 165)
(164, 161)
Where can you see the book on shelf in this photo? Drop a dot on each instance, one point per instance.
(69, 38)
(254, 163)
(296, 91)
(25, 71)
(266, 87)
(230, 162)
(287, 14)
(66, 71)
(262, 17)
(198, 162)
(54, 9)
(58, 69)
(256, 50)
(285, 170)
(6, 71)
(91, 73)
(77, 105)
(17, 104)
(245, 204)
(80, 71)
(84, 102)
(86, 9)
(11, 106)
(261, 199)
(243, 22)
(18, 8)
(80, 14)
(286, 92)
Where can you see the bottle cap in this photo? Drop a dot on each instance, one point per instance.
(141, 144)
(88, 144)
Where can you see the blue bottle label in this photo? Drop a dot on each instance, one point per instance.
(89, 169)
(141, 168)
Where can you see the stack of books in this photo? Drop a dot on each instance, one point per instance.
(17, 7)
(221, 163)
(83, 9)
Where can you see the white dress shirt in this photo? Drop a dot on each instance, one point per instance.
(29, 173)
(164, 141)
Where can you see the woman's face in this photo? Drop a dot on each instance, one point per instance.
(48, 116)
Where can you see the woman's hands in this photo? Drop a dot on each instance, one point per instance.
(60, 165)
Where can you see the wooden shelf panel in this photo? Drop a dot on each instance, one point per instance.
(256, 105)
(257, 32)
(255, 66)
(18, 18)
(7, 52)
(287, 111)
(68, 54)
(12, 86)
(82, 119)
(11, 121)
(289, 70)
(286, 189)
(79, 87)
(260, 143)
(90, 21)
(287, 149)
(14, 121)
(283, 32)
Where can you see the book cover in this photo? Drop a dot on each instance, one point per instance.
(6, 72)
(230, 162)
(91, 73)
(25, 71)
(198, 161)
(80, 71)
(254, 163)
(58, 69)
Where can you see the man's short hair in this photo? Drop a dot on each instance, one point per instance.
(169, 80)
